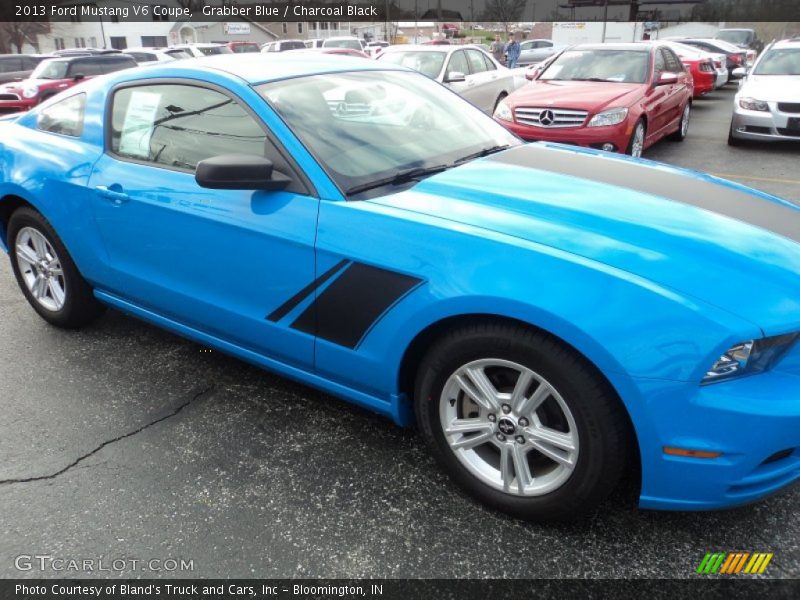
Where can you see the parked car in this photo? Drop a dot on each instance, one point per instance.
(177, 53)
(150, 56)
(550, 317)
(701, 66)
(85, 51)
(314, 43)
(615, 97)
(335, 51)
(243, 47)
(735, 57)
(283, 46)
(375, 48)
(55, 75)
(343, 42)
(467, 70)
(767, 106)
(744, 38)
(719, 61)
(202, 49)
(535, 51)
(16, 67)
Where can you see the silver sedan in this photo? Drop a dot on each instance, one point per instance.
(467, 70)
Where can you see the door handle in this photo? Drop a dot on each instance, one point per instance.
(115, 196)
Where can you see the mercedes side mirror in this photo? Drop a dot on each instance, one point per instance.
(239, 172)
(455, 77)
(667, 79)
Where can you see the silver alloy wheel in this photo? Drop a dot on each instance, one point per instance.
(509, 427)
(41, 269)
(685, 120)
(638, 140)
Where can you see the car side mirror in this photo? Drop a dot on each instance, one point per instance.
(455, 77)
(239, 172)
(739, 72)
(667, 79)
(78, 76)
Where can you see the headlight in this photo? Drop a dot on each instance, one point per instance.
(754, 356)
(503, 112)
(609, 117)
(30, 91)
(753, 104)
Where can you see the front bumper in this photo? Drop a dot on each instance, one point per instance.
(754, 422)
(590, 137)
(762, 125)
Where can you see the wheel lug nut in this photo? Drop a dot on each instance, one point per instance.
(492, 418)
(520, 439)
(523, 422)
(501, 437)
(506, 408)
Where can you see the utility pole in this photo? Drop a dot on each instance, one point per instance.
(605, 20)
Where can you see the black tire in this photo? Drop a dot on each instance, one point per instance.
(602, 426)
(734, 141)
(679, 135)
(639, 123)
(80, 307)
(497, 102)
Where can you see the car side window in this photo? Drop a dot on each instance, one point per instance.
(490, 66)
(527, 45)
(178, 125)
(476, 62)
(674, 65)
(458, 63)
(10, 64)
(64, 117)
(660, 65)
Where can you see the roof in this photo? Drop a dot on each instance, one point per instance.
(792, 43)
(259, 67)
(427, 48)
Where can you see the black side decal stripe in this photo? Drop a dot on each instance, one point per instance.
(714, 197)
(287, 307)
(348, 307)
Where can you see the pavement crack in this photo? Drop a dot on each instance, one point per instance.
(91, 453)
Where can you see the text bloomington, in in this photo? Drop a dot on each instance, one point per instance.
(175, 12)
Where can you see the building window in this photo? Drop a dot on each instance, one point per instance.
(285, 28)
(92, 42)
(119, 42)
(323, 25)
(80, 43)
(154, 41)
(59, 42)
(299, 28)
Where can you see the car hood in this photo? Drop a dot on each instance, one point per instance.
(772, 88)
(591, 96)
(704, 237)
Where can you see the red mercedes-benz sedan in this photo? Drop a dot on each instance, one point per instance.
(615, 97)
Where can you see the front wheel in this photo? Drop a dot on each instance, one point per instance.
(521, 421)
(46, 274)
(636, 143)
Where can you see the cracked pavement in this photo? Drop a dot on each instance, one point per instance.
(124, 441)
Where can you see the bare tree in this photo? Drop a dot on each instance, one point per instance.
(15, 34)
(504, 11)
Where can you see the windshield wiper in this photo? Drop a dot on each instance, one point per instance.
(594, 79)
(401, 177)
(480, 153)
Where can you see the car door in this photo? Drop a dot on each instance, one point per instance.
(457, 64)
(219, 261)
(656, 98)
(543, 49)
(673, 101)
(483, 82)
(527, 53)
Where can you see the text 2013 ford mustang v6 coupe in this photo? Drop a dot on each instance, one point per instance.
(550, 316)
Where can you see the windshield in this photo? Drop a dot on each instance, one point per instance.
(617, 66)
(50, 69)
(427, 63)
(365, 126)
(354, 44)
(209, 50)
(735, 37)
(779, 61)
(240, 48)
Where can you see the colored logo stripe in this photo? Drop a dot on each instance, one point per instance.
(723, 563)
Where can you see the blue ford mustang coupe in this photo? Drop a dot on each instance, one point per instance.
(549, 316)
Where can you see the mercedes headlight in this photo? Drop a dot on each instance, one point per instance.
(753, 104)
(503, 112)
(754, 356)
(30, 91)
(615, 116)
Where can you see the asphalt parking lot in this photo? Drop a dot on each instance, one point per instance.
(122, 441)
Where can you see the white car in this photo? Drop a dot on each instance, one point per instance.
(283, 46)
(767, 105)
(345, 41)
(376, 47)
(468, 70)
(152, 56)
(201, 49)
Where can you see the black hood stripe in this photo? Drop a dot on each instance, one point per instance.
(714, 197)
